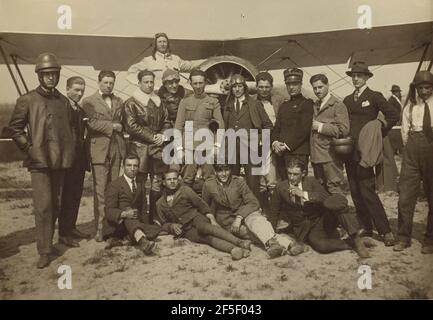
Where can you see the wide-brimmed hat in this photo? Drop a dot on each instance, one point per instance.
(422, 77)
(359, 67)
(395, 88)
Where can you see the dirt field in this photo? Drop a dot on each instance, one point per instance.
(191, 271)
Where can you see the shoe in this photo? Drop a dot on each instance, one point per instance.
(69, 242)
(98, 236)
(274, 249)
(427, 249)
(80, 235)
(369, 243)
(44, 261)
(237, 253)
(360, 248)
(281, 225)
(146, 246)
(297, 249)
(365, 233)
(388, 239)
(400, 246)
(246, 253)
(245, 244)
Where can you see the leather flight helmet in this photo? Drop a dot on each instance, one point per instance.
(47, 62)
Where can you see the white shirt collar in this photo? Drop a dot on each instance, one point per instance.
(421, 102)
(128, 180)
(72, 102)
(362, 89)
(241, 99)
(325, 100)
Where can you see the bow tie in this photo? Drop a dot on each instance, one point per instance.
(107, 95)
(264, 98)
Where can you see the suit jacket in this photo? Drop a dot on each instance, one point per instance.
(252, 115)
(82, 155)
(102, 136)
(335, 121)
(276, 101)
(397, 106)
(281, 201)
(185, 207)
(118, 198)
(229, 201)
(366, 109)
(293, 125)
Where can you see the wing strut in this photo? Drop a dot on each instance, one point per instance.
(10, 70)
(15, 59)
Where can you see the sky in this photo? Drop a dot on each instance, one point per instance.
(208, 19)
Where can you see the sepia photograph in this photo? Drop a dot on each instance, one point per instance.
(216, 150)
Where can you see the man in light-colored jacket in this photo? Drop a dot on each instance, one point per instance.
(330, 120)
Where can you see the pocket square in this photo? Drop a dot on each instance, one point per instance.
(365, 103)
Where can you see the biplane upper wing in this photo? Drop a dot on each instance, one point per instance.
(376, 46)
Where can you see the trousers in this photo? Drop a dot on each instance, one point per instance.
(47, 187)
(202, 231)
(417, 165)
(71, 197)
(103, 174)
(369, 208)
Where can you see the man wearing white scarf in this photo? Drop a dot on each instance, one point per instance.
(145, 121)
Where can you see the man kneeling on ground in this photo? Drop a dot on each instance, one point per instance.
(238, 210)
(181, 212)
(314, 213)
(126, 209)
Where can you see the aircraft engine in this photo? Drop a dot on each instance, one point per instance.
(220, 69)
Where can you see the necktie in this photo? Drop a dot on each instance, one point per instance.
(356, 95)
(238, 105)
(134, 186)
(426, 123)
(318, 104)
(107, 98)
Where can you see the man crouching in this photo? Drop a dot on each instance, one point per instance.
(125, 209)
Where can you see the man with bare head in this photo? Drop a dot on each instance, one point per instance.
(74, 177)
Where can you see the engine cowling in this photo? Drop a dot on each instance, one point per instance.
(220, 69)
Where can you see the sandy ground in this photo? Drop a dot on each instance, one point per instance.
(192, 271)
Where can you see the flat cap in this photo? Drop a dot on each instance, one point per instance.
(170, 74)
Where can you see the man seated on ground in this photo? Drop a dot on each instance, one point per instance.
(182, 213)
(125, 209)
(237, 209)
(315, 214)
